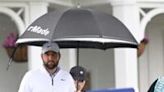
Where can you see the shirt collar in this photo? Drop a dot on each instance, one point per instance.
(45, 71)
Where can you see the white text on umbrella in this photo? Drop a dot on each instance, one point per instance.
(39, 30)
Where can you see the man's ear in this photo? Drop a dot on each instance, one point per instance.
(41, 56)
(59, 55)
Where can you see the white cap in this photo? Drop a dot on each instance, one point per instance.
(50, 46)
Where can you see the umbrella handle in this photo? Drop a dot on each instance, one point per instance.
(10, 59)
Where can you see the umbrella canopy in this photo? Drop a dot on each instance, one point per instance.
(78, 28)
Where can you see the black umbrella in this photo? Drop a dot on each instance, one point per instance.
(78, 28)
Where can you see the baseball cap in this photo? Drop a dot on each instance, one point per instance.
(50, 46)
(78, 73)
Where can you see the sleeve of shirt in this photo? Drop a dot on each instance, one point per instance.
(25, 84)
(159, 86)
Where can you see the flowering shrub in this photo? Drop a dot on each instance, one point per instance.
(10, 40)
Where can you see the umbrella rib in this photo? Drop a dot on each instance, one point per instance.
(100, 32)
(58, 16)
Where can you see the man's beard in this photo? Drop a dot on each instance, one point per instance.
(50, 65)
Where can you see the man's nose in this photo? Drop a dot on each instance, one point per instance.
(50, 57)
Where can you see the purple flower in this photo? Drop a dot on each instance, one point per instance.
(10, 40)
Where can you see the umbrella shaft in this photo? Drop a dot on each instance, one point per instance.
(77, 61)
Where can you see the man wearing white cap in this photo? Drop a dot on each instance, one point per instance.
(50, 77)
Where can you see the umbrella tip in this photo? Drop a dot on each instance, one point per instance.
(78, 5)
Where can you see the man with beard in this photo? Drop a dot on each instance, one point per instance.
(50, 77)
